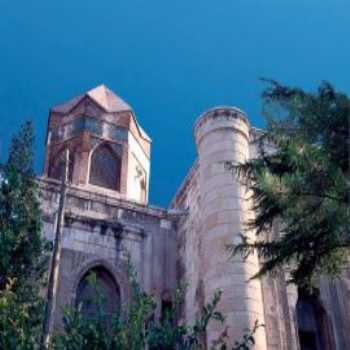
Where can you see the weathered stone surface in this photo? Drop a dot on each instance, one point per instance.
(218, 206)
(90, 236)
(183, 244)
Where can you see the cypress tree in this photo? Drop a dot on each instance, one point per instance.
(22, 248)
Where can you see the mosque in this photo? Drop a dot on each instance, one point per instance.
(108, 218)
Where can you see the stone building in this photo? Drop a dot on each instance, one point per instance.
(108, 218)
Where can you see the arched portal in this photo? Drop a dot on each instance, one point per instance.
(105, 168)
(314, 326)
(98, 291)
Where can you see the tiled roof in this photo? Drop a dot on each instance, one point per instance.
(104, 97)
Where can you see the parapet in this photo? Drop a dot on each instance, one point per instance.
(219, 118)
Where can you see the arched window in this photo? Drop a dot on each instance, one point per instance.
(98, 291)
(313, 324)
(105, 168)
(56, 166)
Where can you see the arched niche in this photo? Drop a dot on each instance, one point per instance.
(57, 165)
(105, 167)
(314, 325)
(98, 287)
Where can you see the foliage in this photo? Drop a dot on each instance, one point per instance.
(103, 331)
(20, 316)
(22, 258)
(301, 180)
(246, 343)
(248, 338)
(23, 262)
(169, 335)
(135, 327)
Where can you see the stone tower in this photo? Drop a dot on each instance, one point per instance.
(109, 151)
(217, 208)
(222, 134)
(108, 219)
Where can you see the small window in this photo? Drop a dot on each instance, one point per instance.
(105, 169)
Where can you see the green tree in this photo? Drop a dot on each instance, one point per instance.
(23, 263)
(22, 248)
(301, 180)
(133, 328)
(169, 334)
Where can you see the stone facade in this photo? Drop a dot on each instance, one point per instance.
(107, 219)
(103, 231)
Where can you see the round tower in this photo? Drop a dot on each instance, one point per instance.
(222, 135)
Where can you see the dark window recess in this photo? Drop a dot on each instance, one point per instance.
(98, 287)
(105, 168)
(143, 190)
(56, 167)
(167, 311)
(103, 229)
(308, 340)
(314, 326)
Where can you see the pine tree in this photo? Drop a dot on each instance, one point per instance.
(301, 180)
(22, 248)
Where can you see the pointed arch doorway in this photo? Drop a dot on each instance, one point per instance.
(98, 292)
(314, 325)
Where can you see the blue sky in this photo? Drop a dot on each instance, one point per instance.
(169, 60)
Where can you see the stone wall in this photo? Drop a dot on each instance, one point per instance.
(189, 246)
(102, 230)
(183, 245)
(217, 207)
(334, 298)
